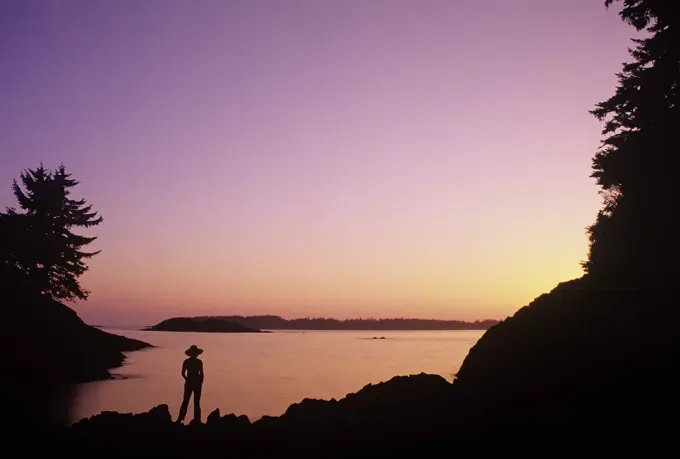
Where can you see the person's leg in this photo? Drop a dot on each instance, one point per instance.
(185, 403)
(197, 403)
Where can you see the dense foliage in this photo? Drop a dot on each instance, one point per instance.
(633, 235)
(38, 248)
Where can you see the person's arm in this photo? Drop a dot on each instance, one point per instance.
(202, 372)
(184, 369)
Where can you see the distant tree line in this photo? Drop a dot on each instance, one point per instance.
(271, 322)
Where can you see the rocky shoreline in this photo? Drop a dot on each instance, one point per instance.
(53, 350)
(577, 367)
(581, 367)
(363, 420)
(384, 403)
(418, 413)
(407, 413)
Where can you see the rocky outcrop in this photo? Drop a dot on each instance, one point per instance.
(52, 348)
(229, 422)
(57, 345)
(406, 407)
(584, 354)
(580, 367)
(418, 414)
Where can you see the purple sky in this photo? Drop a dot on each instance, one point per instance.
(345, 158)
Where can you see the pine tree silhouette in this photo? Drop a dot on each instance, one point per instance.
(43, 249)
(634, 231)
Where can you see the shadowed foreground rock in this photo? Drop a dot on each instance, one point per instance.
(594, 358)
(583, 368)
(52, 349)
(367, 420)
(420, 414)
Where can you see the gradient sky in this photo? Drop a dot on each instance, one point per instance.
(344, 158)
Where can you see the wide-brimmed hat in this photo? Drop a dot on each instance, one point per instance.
(193, 351)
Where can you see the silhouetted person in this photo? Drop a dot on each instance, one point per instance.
(192, 372)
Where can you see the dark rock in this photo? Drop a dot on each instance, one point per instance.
(401, 401)
(228, 421)
(55, 350)
(213, 417)
(581, 357)
(158, 416)
(56, 344)
(363, 419)
(160, 413)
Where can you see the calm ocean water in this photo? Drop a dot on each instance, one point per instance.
(262, 374)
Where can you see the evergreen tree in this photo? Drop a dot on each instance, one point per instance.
(633, 235)
(43, 249)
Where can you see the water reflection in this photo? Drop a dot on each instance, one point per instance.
(263, 374)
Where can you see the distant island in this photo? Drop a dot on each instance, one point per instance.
(270, 322)
(202, 324)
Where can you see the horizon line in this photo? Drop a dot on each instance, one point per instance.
(136, 326)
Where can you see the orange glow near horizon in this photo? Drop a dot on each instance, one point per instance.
(467, 279)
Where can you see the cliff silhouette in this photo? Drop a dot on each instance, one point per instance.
(52, 349)
(585, 354)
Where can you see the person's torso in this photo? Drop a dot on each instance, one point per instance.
(193, 367)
